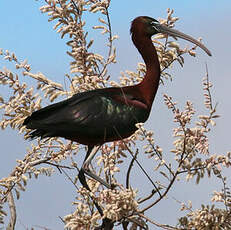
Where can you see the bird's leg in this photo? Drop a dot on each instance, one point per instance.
(83, 181)
(85, 167)
(92, 150)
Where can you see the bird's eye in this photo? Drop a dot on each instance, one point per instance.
(155, 25)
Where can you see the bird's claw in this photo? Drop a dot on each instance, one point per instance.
(97, 178)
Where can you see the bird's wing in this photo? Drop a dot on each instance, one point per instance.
(68, 112)
(90, 115)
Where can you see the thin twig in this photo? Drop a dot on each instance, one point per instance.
(158, 154)
(130, 168)
(59, 166)
(137, 222)
(164, 226)
(161, 196)
(208, 90)
(141, 167)
(69, 178)
(143, 170)
(12, 208)
(148, 197)
(110, 42)
(74, 4)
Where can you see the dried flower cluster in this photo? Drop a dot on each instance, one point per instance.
(81, 218)
(208, 217)
(89, 70)
(119, 204)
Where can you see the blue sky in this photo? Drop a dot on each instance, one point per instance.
(25, 31)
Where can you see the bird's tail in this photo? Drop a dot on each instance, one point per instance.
(37, 133)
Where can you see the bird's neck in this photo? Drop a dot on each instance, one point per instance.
(149, 85)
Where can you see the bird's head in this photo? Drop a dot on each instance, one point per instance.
(149, 26)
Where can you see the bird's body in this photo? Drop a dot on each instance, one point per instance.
(102, 115)
(91, 118)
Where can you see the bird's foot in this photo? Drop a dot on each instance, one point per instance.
(97, 178)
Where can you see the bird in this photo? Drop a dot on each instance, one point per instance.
(95, 117)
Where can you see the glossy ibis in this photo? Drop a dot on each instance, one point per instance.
(102, 115)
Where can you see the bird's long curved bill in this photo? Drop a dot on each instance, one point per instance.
(175, 33)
